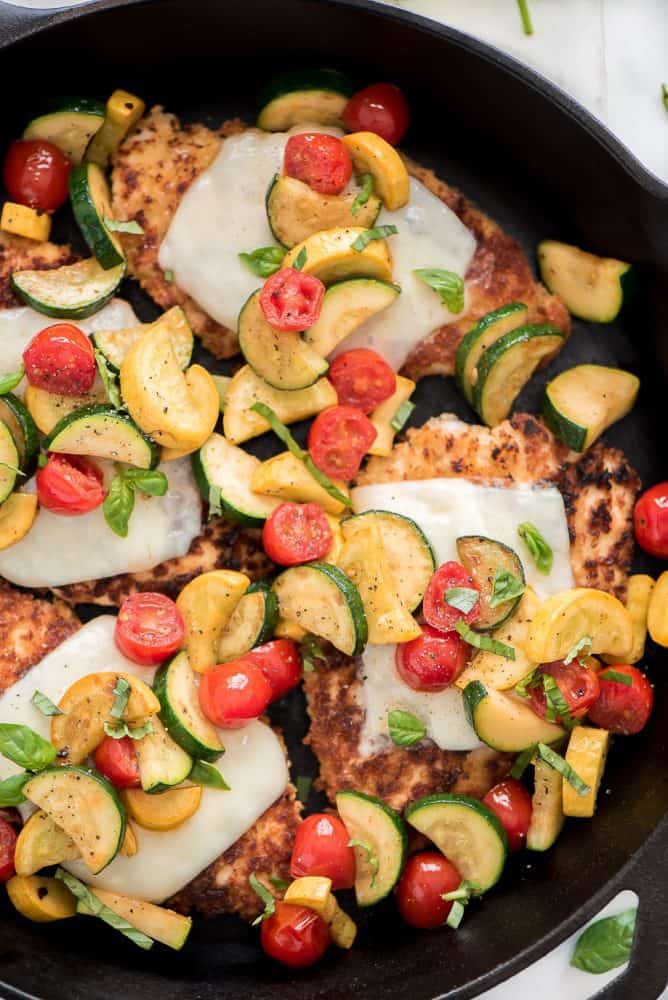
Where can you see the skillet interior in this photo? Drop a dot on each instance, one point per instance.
(494, 130)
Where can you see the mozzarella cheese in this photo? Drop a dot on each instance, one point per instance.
(253, 765)
(446, 509)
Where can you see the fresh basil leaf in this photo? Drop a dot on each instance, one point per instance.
(371, 857)
(462, 598)
(606, 944)
(150, 481)
(530, 680)
(207, 776)
(264, 261)
(265, 896)
(369, 235)
(400, 418)
(42, 460)
(540, 550)
(119, 729)
(557, 763)
(364, 194)
(280, 884)
(664, 95)
(44, 704)
(118, 505)
(139, 732)
(118, 226)
(449, 286)
(10, 380)
(455, 915)
(121, 694)
(168, 275)
(326, 482)
(25, 747)
(215, 507)
(505, 587)
(311, 651)
(11, 789)
(92, 906)
(522, 761)
(300, 259)
(484, 641)
(556, 706)
(303, 785)
(574, 652)
(108, 380)
(404, 728)
(525, 16)
(617, 677)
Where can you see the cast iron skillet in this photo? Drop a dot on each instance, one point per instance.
(541, 166)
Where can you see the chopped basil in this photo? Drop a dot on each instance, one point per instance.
(44, 704)
(280, 884)
(119, 730)
(617, 676)
(484, 641)
(556, 706)
(559, 764)
(23, 746)
(120, 499)
(117, 226)
(574, 652)
(464, 892)
(168, 275)
(449, 286)
(530, 680)
(42, 460)
(94, 907)
(606, 944)
(522, 762)
(404, 728)
(300, 259)
(371, 856)
(505, 587)
(11, 789)
(462, 598)
(108, 380)
(455, 915)
(303, 785)
(265, 896)
(400, 418)
(311, 651)
(121, 696)
(525, 15)
(364, 195)
(150, 481)
(369, 235)
(10, 381)
(540, 550)
(207, 776)
(264, 261)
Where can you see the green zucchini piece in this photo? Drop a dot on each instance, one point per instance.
(581, 403)
(295, 211)
(252, 622)
(346, 305)
(16, 415)
(410, 557)
(508, 364)
(481, 557)
(488, 329)
(222, 466)
(505, 722)
(103, 432)
(591, 287)
(70, 126)
(317, 95)
(115, 344)
(468, 833)
(381, 843)
(177, 687)
(325, 602)
(91, 205)
(9, 461)
(547, 813)
(162, 762)
(283, 360)
(73, 291)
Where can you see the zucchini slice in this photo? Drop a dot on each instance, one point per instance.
(391, 417)
(177, 686)
(222, 466)
(316, 95)
(487, 330)
(591, 287)
(283, 360)
(158, 922)
(508, 364)
(246, 388)
(103, 432)
(73, 291)
(324, 601)
(481, 557)
(409, 555)
(115, 344)
(346, 305)
(48, 408)
(378, 864)
(162, 762)
(505, 722)
(70, 127)
(91, 205)
(330, 256)
(468, 833)
(496, 671)
(252, 622)
(547, 812)
(86, 807)
(295, 211)
(17, 417)
(581, 403)
(9, 461)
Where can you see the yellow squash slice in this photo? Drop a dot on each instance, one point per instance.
(586, 753)
(163, 811)
(206, 604)
(638, 596)
(41, 900)
(42, 843)
(657, 614)
(285, 476)
(373, 155)
(565, 619)
(330, 256)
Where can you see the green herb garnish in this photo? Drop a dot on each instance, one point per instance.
(300, 259)
(311, 651)
(400, 418)
(369, 235)
(462, 598)
(617, 676)
(120, 499)
(449, 286)
(278, 883)
(574, 652)
(606, 944)
(109, 380)
(364, 195)
(168, 275)
(92, 906)
(264, 261)
(11, 789)
(23, 746)
(484, 641)
(559, 764)
(505, 587)
(530, 680)
(303, 785)
(119, 729)
(664, 95)
(525, 15)
(540, 550)
(459, 898)
(121, 694)
(117, 226)
(10, 380)
(207, 776)
(522, 761)
(556, 706)
(265, 896)
(404, 729)
(44, 704)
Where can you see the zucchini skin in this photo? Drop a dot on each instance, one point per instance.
(172, 723)
(270, 610)
(27, 428)
(89, 216)
(353, 600)
(573, 435)
(66, 312)
(229, 512)
(103, 409)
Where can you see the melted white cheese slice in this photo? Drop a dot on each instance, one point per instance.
(60, 550)
(253, 765)
(446, 509)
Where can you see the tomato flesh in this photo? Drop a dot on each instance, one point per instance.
(233, 694)
(117, 761)
(296, 533)
(291, 301)
(437, 612)
(149, 628)
(35, 174)
(295, 936)
(650, 520)
(280, 662)
(432, 661)
(380, 108)
(362, 379)
(512, 804)
(420, 890)
(69, 485)
(60, 359)
(322, 848)
(621, 708)
(319, 160)
(338, 440)
(579, 685)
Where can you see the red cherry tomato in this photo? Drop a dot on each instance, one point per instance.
(338, 440)
(425, 879)
(379, 108)
(433, 661)
(60, 359)
(295, 936)
(650, 520)
(319, 160)
(291, 301)
(296, 533)
(233, 694)
(7, 847)
(117, 760)
(436, 610)
(149, 628)
(579, 685)
(512, 804)
(321, 848)
(281, 664)
(362, 379)
(35, 174)
(622, 708)
(69, 485)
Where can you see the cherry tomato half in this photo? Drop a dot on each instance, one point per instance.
(362, 379)
(233, 694)
(149, 628)
(433, 661)
(622, 708)
(35, 174)
(650, 520)
(117, 760)
(379, 108)
(296, 533)
(436, 610)
(291, 301)
(69, 485)
(579, 685)
(319, 160)
(322, 848)
(512, 804)
(60, 359)
(7, 847)
(280, 662)
(295, 936)
(338, 440)
(425, 879)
